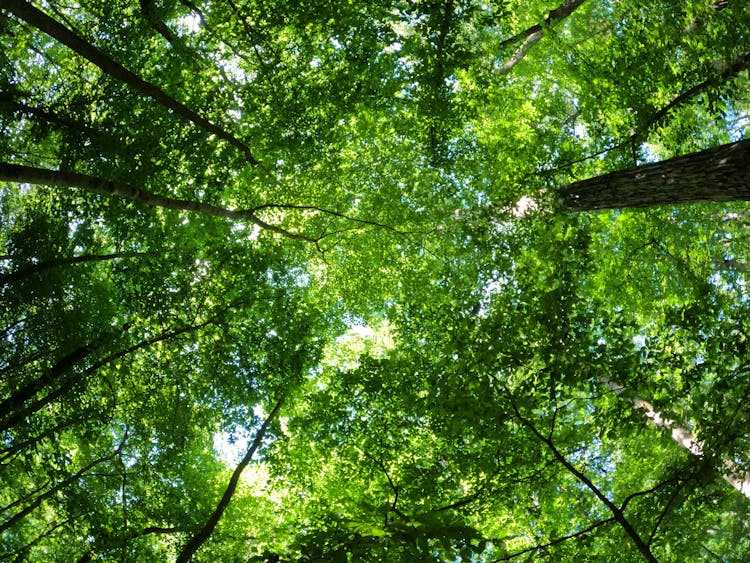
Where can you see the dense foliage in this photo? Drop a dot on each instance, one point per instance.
(292, 281)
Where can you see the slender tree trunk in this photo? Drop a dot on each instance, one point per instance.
(70, 381)
(32, 269)
(731, 473)
(17, 399)
(718, 174)
(533, 34)
(204, 533)
(45, 177)
(13, 520)
(41, 21)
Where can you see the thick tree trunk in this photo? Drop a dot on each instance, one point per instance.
(718, 174)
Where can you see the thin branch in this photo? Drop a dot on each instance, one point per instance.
(48, 264)
(735, 67)
(41, 21)
(16, 400)
(23, 551)
(192, 546)
(331, 213)
(58, 487)
(556, 541)
(617, 513)
(664, 512)
(394, 487)
(150, 14)
(74, 379)
(732, 472)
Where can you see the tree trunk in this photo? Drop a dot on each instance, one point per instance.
(718, 174)
(41, 21)
(731, 471)
(40, 176)
(536, 32)
(192, 546)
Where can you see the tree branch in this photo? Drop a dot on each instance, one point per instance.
(617, 513)
(61, 485)
(394, 487)
(41, 21)
(534, 33)
(68, 383)
(31, 269)
(43, 176)
(556, 541)
(731, 472)
(735, 67)
(192, 546)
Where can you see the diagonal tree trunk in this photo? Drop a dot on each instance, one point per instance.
(718, 174)
(731, 473)
(13, 520)
(192, 546)
(45, 177)
(41, 21)
(17, 399)
(68, 381)
(32, 269)
(532, 35)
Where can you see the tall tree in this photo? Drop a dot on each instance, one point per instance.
(718, 174)
(207, 206)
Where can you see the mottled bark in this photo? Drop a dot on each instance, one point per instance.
(718, 174)
(731, 471)
(533, 34)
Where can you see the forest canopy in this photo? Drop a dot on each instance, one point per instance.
(397, 280)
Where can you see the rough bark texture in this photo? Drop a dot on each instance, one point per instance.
(718, 174)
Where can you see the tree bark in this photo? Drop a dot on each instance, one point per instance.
(45, 177)
(41, 21)
(536, 32)
(202, 536)
(718, 174)
(731, 472)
